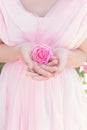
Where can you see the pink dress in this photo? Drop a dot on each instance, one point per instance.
(55, 104)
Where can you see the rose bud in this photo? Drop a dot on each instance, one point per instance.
(42, 54)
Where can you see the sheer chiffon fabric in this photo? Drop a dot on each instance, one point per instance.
(58, 103)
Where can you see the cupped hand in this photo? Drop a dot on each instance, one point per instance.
(58, 64)
(35, 70)
(25, 50)
(61, 55)
(42, 71)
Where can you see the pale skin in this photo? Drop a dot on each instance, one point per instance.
(62, 57)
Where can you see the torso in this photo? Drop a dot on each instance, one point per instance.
(38, 7)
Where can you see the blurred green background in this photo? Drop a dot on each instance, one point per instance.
(1, 65)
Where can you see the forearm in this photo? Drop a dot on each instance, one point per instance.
(9, 53)
(76, 58)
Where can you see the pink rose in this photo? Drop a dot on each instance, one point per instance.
(85, 68)
(42, 54)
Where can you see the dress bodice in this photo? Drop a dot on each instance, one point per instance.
(63, 26)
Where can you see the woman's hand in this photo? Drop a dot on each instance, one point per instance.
(25, 50)
(61, 55)
(35, 70)
(42, 71)
(69, 58)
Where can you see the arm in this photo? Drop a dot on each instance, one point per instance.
(9, 53)
(70, 58)
(77, 57)
(12, 53)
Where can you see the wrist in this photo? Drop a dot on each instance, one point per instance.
(76, 58)
(17, 50)
(62, 55)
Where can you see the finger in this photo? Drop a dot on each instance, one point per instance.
(32, 74)
(52, 63)
(28, 69)
(27, 58)
(53, 58)
(49, 68)
(40, 78)
(35, 76)
(30, 63)
(60, 68)
(41, 71)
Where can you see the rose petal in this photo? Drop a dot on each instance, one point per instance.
(42, 54)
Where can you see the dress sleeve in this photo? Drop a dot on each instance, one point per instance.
(82, 31)
(3, 34)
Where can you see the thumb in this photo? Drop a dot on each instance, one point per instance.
(26, 55)
(30, 63)
(60, 67)
(27, 59)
